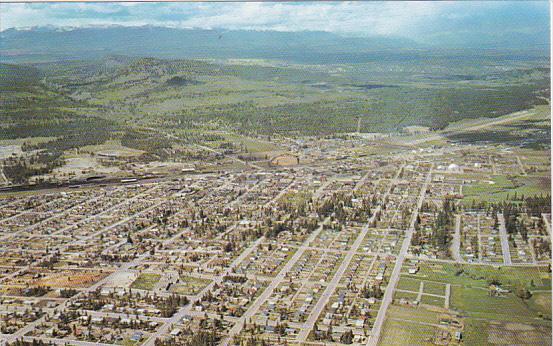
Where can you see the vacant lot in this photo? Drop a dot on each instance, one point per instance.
(189, 285)
(146, 281)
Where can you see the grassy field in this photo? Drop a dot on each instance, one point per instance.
(111, 147)
(434, 288)
(408, 284)
(503, 188)
(476, 302)
(405, 333)
(405, 295)
(469, 289)
(146, 281)
(189, 285)
(487, 320)
(541, 302)
(487, 332)
(478, 276)
(407, 326)
(430, 300)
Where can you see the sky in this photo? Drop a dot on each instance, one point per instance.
(414, 20)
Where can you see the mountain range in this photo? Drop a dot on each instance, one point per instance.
(51, 43)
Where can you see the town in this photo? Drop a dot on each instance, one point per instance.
(324, 246)
(275, 173)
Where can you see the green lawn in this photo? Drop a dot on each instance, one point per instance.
(469, 289)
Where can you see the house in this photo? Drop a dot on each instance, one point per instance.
(136, 336)
(458, 336)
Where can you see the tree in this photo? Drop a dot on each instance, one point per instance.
(523, 293)
(347, 337)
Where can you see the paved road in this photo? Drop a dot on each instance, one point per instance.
(29, 211)
(55, 215)
(447, 295)
(3, 176)
(546, 218)
(254, 308)
(331, 287)
(456, 243)
(521, 165)
(504, 240)
(389, 292)
(30, 326)
(188, 308)
(239, 199)
(65, 342)
(123, 268)
(107, 211)
(301, 250)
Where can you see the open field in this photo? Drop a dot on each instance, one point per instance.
(500, 188)
(146, 281)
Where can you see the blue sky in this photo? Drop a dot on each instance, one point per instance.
(415, 20)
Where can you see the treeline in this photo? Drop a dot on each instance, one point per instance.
(442, 228)
(79, 138)
(435, 108)
(54, 125)
(154, 144)
(533, 206)
(35, 342)
(20, 170)
(447, 105)
(439, 233)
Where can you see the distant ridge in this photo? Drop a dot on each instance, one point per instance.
(51, 43)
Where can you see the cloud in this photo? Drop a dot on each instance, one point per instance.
(416, 20)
